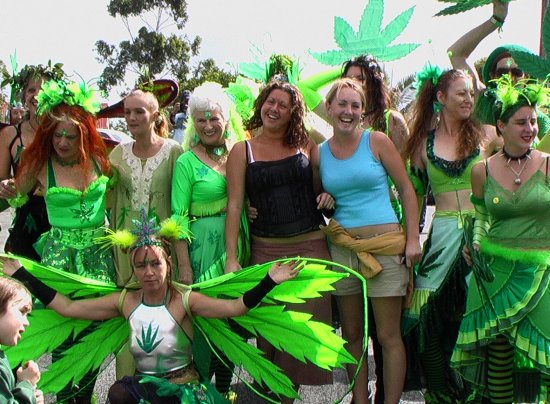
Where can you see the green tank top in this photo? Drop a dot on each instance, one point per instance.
(520, 219)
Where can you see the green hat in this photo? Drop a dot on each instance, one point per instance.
(495, 56)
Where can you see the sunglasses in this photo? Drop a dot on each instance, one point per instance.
(514, 71)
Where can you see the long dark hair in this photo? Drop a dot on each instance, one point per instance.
(375, 89)
(296, 134)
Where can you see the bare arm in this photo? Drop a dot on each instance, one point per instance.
(236, 176)
(398, 130)
(390, 159)
(460, 51)
(101, 308)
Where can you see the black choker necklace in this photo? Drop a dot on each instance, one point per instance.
(518, 158)
(63, 163)
(217, 153)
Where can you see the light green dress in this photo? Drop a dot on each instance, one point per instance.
(141, 183)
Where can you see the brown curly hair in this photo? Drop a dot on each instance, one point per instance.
(424, 117)
(296, 134)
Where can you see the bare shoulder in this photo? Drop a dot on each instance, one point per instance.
(6, 135)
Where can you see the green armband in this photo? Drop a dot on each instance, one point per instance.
(481, 223)
(310, 87)
(419, 180)
(18, 201)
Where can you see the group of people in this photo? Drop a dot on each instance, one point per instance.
(456, 319)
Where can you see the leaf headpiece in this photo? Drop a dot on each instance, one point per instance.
(55, 92)
(146, 232)
(18, 80)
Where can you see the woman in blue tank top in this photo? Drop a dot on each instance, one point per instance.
(354, 167)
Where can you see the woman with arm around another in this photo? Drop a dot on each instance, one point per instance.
(278, 171)
(354, 166)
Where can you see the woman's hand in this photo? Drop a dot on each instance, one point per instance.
(325, 201)
(9, 265)
(29, 372)
(7, 189)
(500, 9)
(185, 274)
(232, 266)
(467, 255)
(281, 272)
(413, 253)
(251, 213)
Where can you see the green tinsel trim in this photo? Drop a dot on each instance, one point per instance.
(477, 201)
(540, 257)
(429, 72)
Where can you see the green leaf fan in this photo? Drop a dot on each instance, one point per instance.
(370, 38)
(461, 6)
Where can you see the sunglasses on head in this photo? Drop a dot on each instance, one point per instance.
(514, 71)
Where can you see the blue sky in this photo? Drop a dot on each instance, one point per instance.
(66, 31)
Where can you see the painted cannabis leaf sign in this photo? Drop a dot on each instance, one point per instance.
(464, 5)
(370, 38)
(532, 64)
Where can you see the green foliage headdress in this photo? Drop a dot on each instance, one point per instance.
(19, 80)
(55, 92)
(370, 38)
(429, 72)
(510, 95)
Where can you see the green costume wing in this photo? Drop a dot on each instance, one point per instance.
(370, 38)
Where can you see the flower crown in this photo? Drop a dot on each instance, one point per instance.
(55, 92)
(509, 93)
(147, 232)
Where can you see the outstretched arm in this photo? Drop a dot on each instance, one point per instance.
(460, 51)
(206, 306)
(102, 308)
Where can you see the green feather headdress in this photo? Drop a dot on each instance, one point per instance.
(510, 95)
(429, 72)
(55, 92)
(18, 80)
(147, 232)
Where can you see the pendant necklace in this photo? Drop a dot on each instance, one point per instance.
(217, 153)
(63, 163)
(525, 156)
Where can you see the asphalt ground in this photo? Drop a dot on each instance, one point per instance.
(310, 394)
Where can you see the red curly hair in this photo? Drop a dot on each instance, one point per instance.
(92, 148)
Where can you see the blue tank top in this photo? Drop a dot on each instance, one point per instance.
(359, 184)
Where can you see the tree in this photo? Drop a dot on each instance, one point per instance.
(149, 51)
(206, 70)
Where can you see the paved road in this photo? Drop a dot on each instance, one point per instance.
(310, 395)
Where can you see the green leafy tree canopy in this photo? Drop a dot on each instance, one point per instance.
(150, 49)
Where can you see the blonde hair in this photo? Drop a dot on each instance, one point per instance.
(345, 83)
(161, 123)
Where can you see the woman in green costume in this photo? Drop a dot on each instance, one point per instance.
(445, 143)
(508, 298)
(67, 161)
(199, 193)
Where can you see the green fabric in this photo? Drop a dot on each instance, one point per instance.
(514, 304)
(481, 223)
(487, 67)
(310, 87)
(69, 244)
(11, 391)
(140, 185)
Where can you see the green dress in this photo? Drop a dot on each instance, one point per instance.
(201, 192)
(516, 303)
(77, 218)
(141, 183)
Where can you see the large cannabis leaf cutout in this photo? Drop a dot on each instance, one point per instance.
(371, 38)
(464, 5)
(535, 65)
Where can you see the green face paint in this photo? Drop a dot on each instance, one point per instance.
(208, 114)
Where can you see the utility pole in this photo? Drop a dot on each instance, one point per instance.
(542, 14)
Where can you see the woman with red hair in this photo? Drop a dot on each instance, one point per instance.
(67, 161)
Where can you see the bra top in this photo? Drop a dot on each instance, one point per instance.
(14, 160)
(445, 175)
(75, 209)
(282, 192)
